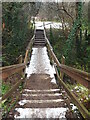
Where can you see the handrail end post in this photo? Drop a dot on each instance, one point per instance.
(62, 62)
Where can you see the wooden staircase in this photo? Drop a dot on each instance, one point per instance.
(39, 40)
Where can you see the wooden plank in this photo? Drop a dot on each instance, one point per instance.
(10, 92)
(7, 71)
(74, 99)
(77, 71)
(76, 77)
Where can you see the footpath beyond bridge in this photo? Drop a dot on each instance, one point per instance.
(44, 95)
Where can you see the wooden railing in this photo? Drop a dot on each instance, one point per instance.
(7, 71)
(28, 49)
(78, 75)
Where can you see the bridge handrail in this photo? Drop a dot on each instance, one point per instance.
(9, 93)
(78, 75)
(7, 71)
(74, 99)
(74, 69)
(29, 47)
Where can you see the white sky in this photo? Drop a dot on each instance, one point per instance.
(43, 0)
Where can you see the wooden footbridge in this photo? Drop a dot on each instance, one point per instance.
(37, 91)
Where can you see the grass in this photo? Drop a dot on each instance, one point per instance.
(5, 88)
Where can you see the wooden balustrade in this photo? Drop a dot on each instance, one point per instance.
(78, 75)
(74, 99)
(29, 48)
(7, 71)
(10, 70)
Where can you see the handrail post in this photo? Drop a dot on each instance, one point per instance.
(20, 60)
(25, 60)
(62, 62)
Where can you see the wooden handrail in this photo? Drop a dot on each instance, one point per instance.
(9, 93)
(26, 55)
(74, 99)
(78, 75)
(83, 73)
(7, 71)
(29, 47)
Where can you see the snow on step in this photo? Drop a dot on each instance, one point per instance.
(22, 102)
(41, 112)
(40, 63)
(56, 94)
(49, 90)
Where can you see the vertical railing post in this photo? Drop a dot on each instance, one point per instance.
(26, 55)
(20, 60)
(62, 62)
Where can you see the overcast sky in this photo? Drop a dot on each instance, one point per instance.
(43, 0)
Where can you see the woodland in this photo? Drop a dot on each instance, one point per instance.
(72, 41)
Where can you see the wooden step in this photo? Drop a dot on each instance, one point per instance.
(41, 104)
(40, 97)
(39, 37)
(42, 42)
(38, 44)
(39, 33)
(39, 30)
